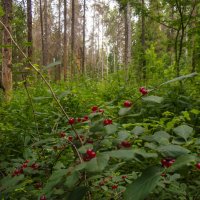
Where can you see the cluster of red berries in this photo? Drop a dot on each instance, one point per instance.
(127, 104)
(72, 120)
(20, 170)
(167, 162)
(125, 144)
(143, 91)
(89, 155)
(97, 109)
(107, 122)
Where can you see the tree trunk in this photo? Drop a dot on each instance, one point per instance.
(127, 36)
(45, 33)
(83, 51)
(7, 51)
(65, 41)
(29, 26)
(143, 60)
(73, 39)
(42, 32)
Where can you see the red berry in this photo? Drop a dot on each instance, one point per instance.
(114, 187)
(86, 158)
(198, 165)
(95, 108)
(167, 162)
(34, 166)
(16, 172)
(24, 165)
(70, 138)
(127, 104)
(71, 121)
(123, 177)
(143, 91)
(62, 134)
(101, 110)
(93, 155)
(126, 144)
(27, 161)
(89, 151)
(43, 197)
(79, 119)
(85, 118)
(107, 122)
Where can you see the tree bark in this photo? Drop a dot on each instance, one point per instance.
(45, 33)
(73, 39)
(65, 41)
(127, 35)
(83, 51)
(29, 26)
(7, 51)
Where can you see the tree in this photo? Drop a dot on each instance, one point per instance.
(29, 26)
(7, 50)
(73, 38)
(83, 50)
(65, 41)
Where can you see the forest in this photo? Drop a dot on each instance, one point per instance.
(100, 100)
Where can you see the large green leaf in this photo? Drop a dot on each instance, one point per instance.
(183, 160)
(172, 150)
(124, 111)
(154, 99)
(54, 179)
(122, 154)
(138, 130)
(110, 129)
(78, 193)
(97, 164)
(183, 131)
(142, 186)
(72, 179)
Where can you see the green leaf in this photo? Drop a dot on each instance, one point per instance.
(138, 130)
(124, 111)
(54, 179)
(78, 193)
(161, 137)
(97, 164)
(180, 78)
(154, 99)
(122, 135)
(184, 131)
(172, 150)
(183, 160)
(72, 179)
(110, 129)
(143, 185)
(97, 126)
(122, 154)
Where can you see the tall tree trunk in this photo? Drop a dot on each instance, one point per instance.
(65, 41)
(42, 32)
(83, 51)
(127, 36)
(45, 33)
(7, 50)
(58, 68)
(143, 60)
(73, 39)
(29, 26)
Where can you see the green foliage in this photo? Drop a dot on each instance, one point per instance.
(162, 125)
